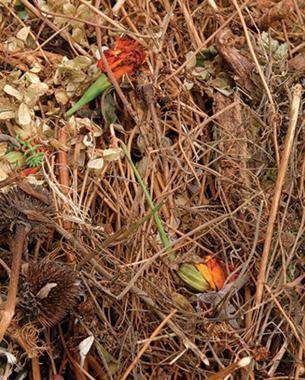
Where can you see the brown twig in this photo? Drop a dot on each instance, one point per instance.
(227, 371)
(36, 369)
(147, 343)
(63, 169)
(294, 110)
(18, 246)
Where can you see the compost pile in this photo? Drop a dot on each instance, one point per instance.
(156, 228)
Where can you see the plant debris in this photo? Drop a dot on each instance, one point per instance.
(152, 189)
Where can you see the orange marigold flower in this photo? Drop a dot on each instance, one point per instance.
(124, 59)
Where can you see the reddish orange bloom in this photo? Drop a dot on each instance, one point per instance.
(125, 58)
(212, 270)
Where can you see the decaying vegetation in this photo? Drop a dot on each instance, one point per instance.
(186, 174)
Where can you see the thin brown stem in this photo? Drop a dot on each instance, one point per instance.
(36, 369)
(17, 251)
(261, 280)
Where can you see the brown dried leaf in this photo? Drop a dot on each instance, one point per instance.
(240, 64)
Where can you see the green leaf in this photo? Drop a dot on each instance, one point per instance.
(96, 89)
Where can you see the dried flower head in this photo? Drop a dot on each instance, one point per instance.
(18, 206)
(49, 290)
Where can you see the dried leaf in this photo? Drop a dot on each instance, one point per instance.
(34, 92)
(201, 73)
(11, 359)
(32, 77)
(73, 74)
(5, 169)
(61, 96)
(79, 35)
(190, 57)
(187, 84)
(182, 302)
(8, 89)
(23, 33)
(3, 148)
(113, 154)
(13, 45)
(222, 85)
(85, 13)
(6, 114)
(24, 115)
(96, 163)
(84, 347)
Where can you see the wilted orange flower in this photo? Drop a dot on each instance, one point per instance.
(125, 58)
(212, 270)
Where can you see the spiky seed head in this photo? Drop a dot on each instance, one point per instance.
(15, 206)
(50, 291)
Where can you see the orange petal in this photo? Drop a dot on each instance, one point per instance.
(217, 272)
(120, 71)
(206, 273)
(125, 43)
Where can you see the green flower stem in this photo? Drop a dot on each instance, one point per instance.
(96, 89)
(163, 236)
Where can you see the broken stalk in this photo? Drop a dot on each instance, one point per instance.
(17, 249)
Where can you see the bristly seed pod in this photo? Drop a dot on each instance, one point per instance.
(49, 291)
(16, 206)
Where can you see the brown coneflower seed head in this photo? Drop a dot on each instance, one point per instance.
(17, 206)
(50, 290)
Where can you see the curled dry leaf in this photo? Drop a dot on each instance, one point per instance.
(278, 12)
(297, 63)
(239, 63)
(84, 347)
(220, 302)
(45, 290)
(11, 359)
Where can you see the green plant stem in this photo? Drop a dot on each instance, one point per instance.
(96, 89)
(163, 236)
